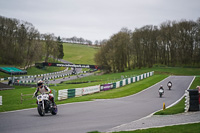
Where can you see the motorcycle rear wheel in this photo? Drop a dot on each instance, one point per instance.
(54, 110)
(40, 109)
(169, 87)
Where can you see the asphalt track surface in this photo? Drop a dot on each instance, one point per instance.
(98, 115)
(78, 70)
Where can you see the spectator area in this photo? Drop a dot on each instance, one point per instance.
(12, 70)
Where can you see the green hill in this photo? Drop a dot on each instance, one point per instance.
(75, 53)
(79, 54)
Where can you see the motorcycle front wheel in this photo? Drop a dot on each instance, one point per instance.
(40, 109)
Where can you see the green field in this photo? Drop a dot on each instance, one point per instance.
(79, 54)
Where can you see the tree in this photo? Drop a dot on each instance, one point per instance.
(60, 48)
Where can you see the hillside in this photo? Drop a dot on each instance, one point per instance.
(79, 54)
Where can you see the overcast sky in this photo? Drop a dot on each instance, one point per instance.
(97, 19)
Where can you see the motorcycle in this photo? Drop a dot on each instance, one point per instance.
(169, 85)
(161, 92)
(45, 105)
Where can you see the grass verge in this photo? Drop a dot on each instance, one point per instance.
(186, 128)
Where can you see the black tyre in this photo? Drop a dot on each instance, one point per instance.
(194, 97)
(160, 94)
(169, 87)
(194, 108)
(193, 92)
(54, 110)
(40, 109)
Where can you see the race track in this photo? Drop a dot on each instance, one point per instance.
(98, 115)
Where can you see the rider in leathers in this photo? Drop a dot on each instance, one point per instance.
(44, 89)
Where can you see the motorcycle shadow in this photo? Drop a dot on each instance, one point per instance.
(46, 115)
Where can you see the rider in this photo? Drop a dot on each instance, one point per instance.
(169, 83)
(161, 87)
(44, 89)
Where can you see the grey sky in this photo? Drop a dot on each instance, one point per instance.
(97, 19)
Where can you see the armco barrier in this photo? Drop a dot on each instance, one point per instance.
(1, 100)
(121, 83)
(114, 85)
(106, 87)
(62, 94)
(129, 80)
(69, 93)
(118, 84)
(79, 92)
(124, 82)
(91, 89)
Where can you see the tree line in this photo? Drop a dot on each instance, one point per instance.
(173, 43)
(80, 40)
(21, 43)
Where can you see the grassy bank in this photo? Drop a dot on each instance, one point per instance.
(79, 54)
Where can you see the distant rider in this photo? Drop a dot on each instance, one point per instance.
(161, 88)
(169, 84)
(44, 89)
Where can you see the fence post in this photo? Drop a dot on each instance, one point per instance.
(21, 98)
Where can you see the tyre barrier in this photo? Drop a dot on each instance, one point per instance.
(77, 92)
(192, 100)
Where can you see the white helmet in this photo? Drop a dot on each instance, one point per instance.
(40, 82)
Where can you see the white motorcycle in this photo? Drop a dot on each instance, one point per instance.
(45, 105)
(169, 85)
(161, 92)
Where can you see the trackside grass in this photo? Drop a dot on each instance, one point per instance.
(187, 128)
